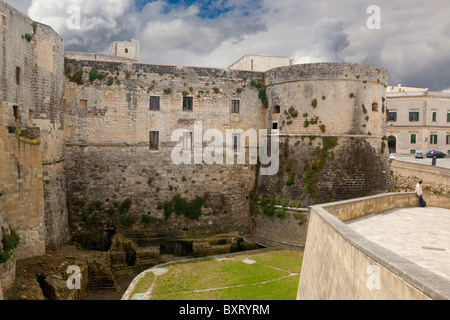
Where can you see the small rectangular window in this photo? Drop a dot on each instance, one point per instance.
(18, 76)
(412, 151)
(154, 103)
(413, 138)
(126, 50)
(187, 140)
(83, 104)
(16, 112)
(275, 125)
(374, 106)
(448, 139)
(392, 116)
(434, 116)
(154, 140)
(448, 116)
(188, 103)
(234, 106)
(414, 116)
(433, 139)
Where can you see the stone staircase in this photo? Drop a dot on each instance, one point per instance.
(102, 281)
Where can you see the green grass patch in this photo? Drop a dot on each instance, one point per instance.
(283, 289)
(143, 284)
(273, 276)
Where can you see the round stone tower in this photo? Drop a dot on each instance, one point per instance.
(331, 120)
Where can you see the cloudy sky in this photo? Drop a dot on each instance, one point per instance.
(413, 41)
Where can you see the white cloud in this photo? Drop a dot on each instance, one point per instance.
(413, 42)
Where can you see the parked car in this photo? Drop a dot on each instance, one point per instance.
(418, 155)
(434, 153)
(392, 156)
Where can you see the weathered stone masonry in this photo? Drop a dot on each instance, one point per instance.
(75, 141)
(31, 144)
(107, 146)
(331, 119)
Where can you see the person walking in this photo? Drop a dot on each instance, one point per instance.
(419, 193)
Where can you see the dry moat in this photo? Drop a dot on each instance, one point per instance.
(107, 274)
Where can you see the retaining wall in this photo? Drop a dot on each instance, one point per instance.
(337, 260)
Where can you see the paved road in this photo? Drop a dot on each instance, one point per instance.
(421, 235)
(440, 162)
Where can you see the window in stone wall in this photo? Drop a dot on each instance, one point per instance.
(374, 106)
(187, 140)
(18, 75)
(188, 103)
(276, 109)
(414, 116)
(16, 112)
(448, 116)
(154, 140)
(448, 139)
(126, 50)
(234, 106)
(83, 104)
(413, 138)
(434, 116)
(433, 139)
(154, 103)
(275, 125)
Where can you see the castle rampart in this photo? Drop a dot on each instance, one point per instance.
(331, 121)
(31, 112)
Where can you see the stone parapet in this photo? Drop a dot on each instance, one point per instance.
(338, 262)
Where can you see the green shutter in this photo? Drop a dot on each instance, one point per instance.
(434, 116)
(413, 138)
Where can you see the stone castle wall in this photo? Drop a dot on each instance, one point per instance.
(331, 121)
(32, 125)
(86, 124)
(107, 145)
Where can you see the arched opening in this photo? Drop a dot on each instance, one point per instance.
(392, 144)
(276, 109)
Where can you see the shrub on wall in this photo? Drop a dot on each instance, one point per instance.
(10, 243)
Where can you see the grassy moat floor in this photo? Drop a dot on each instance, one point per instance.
(264, 274)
